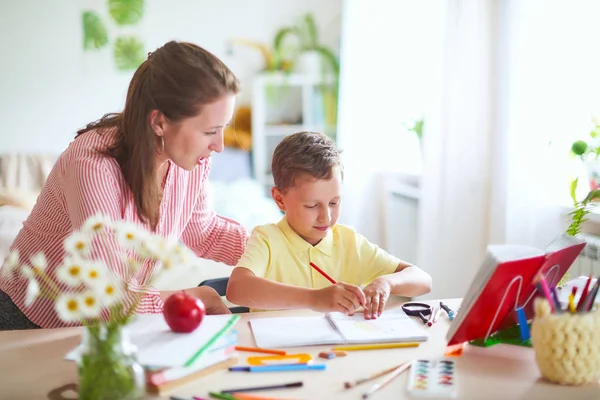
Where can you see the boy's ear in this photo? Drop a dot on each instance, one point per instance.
(278, 197)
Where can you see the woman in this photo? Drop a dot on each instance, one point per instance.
(149, 165)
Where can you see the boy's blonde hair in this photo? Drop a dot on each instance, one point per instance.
(310, 153)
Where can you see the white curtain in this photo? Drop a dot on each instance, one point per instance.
(519, 84)
(386, 59)
(462, 151)
(513, 83)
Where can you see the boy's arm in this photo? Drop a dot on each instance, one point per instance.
(247, 289)
(408, 280)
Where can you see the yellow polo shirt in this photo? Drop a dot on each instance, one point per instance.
(276, 252)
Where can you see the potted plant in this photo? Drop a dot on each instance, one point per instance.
(313, 57)
(581, 208)
(89, 292)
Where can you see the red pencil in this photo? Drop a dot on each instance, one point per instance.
(319, 270)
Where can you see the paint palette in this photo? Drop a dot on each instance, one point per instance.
(432, 378)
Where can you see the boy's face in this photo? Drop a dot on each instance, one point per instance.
(312, 206)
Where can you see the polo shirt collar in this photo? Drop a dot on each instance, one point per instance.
(325, 246)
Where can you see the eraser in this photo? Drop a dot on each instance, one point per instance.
(326, 354)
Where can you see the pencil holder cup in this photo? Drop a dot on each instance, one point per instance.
(566, 345)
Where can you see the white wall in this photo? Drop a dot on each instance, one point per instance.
(49, 87)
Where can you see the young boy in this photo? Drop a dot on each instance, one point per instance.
(275, 271)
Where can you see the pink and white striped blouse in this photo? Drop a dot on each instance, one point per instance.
(84, 183)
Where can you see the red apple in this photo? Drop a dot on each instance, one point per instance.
(183, 312)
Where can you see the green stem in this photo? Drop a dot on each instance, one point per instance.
(53, 290)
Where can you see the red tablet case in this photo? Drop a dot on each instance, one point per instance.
(492, 309)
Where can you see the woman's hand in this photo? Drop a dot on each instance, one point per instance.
(377, 294)
(341, 297)
(212, 301)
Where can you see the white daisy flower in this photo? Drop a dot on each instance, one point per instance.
(78, 243)
(33, 289)
(129, 235)
(71, 271)
(154, 247)
(90, 304)
(93, 273)
(11, 262)
(27, 272)
(134, 265)
(39, 262)
(109, 292)
(96, 224)
(68, 307)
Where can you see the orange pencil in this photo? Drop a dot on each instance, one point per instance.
(259, 350)
(319, 270)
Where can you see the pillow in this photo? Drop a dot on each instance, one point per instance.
(19, 198)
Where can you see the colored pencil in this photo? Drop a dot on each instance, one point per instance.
(280, 367)
(572, 308)
(555, 298)
(544, 289)
(431, 319)
(258, 388)
(584, 294)
(259, 350)
(349, 385)
(394, 375)
(228, 326)
(237, 368)
(319, 270)
(222, 396)
(589, 301)
(376, 346)
(243, 396)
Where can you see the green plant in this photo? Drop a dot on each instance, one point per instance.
(578, 216)
(581, 208)
(307, 39)
(417, 128)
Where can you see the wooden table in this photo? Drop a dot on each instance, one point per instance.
(32, 365)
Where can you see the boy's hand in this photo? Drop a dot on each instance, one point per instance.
(341, 297)
(376, 293)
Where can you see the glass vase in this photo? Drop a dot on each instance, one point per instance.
(108, 367)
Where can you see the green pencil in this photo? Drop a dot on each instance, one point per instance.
(222, 396)
(212, 341)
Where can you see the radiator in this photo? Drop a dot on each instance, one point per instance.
(588, 261)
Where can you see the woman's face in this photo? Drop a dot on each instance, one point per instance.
(196, 137)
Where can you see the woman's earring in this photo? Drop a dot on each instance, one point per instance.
(162, 146)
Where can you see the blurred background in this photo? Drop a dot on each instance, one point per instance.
(456, 119)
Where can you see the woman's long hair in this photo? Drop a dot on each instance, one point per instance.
(178, 79)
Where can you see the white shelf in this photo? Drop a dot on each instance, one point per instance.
(303, 103)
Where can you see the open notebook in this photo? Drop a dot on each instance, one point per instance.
(336, 328)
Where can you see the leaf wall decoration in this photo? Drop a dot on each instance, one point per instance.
(128, 53)
(95, 35)
(126, 12)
